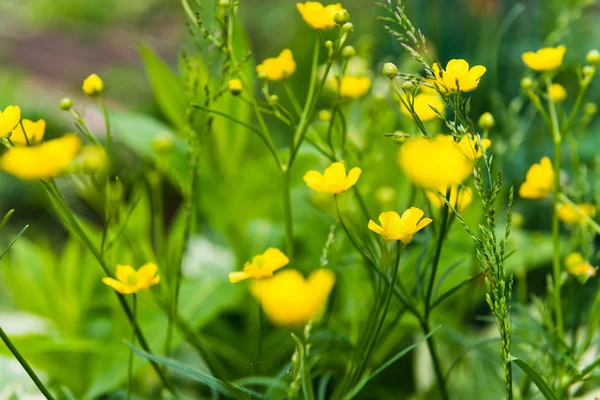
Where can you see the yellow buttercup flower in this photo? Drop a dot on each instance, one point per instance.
(574, 215)
(9, 119)
(460, 197)
(317, 15)
(34, 131)
(235, 86)
(93, 85)
(334, 180)
(46, 160)
(353, 87)
(131, 281)
(539, 180)
(576, 265)
(546, 59)
(393, 227)
(458, 76)
(557, 92)
(278, 68)
(434, 163)
(471, 148)
(422, 103)
(261, 266)
(289, 299)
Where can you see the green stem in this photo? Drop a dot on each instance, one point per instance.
(130, 368)
(437, 365)
(287, 210)
(261, 327)
(438, 253)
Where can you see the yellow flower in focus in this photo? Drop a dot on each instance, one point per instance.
(353, 87)
(422, 102)
(539, 180)
(458, 76)
(471, 148)
(393, 227)
(46, 160)
(93, 85)
(546, 59)
(573, 215)
(235, 86)
(261, 266)
(289, 299)
(459, 198)
(557, 92)
(434, 163)
(317, 15)
(9, 119)
(579, 267)
(131, 281)
(334, 180)
(278, 68)
(34, 131)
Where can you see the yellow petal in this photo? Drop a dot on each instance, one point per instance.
(116, 285)
(147, 272)
(412, 216)
(352, 177)
(336, 172)
(314, 180)
(124, 272)
(457, 67)
(423, 223)
(237, 276)
(34, 131)
(375, 228)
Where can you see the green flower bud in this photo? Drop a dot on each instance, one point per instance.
(408, 86)
(348, 27)
(593, 57)
(588, 71)
(325, 115)
(341, 17)
(224, 3)
(261, 75)
(66, 104)
(590, 109)
(329, 44)
(273, 99)
(163, 143)
(348, 52)
(527, 83)
(486, 121)
(390, 70)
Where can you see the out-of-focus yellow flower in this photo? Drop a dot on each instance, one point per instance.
(262, 266)
(422, 107)
(43, 161)
(334, 180)
(458, 76)
(131, 281)
(290, 300)
(93, 158)
(557, 92)
(317, 15)
(34, 131)
(393, 227)
(93, 85)
(278, 68)
(354, 87)
(539, 180)
(546, 59)
(459, 198)
(9, 119)
(235, 86)
(434, 163)
(576, 265)
(471, 148)
(574, 215)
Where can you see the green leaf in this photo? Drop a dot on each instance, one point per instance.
(455, 289)
(13, 241)
(541, 384)
(5, 219)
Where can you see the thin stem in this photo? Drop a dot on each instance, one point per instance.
(130, 368)
(438, 253)
(287, 210)
(437, 365)
(261, 327)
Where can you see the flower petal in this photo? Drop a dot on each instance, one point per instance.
(116, 285)
(314, 180)
(335, 173)
(375, 228)
(457, 67)
(147, 272)
(352, 177)
(124, 271)
(238, 276)
(412, 216)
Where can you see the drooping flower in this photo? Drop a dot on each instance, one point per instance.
(471, 147)
(353, 87)
(578, 266)
(34, 131)
(557, 92)
(458, 76)
(317, 15)
(46, 160)
(539, 180)
(93, 85)
(262, 266)
(9, 119)
(130, 281)
(289, 299)
(278, 68)
(434, 163)
(422, 103)
(546, 59)
(393, 227)
(460, 197)
(575, 215)
(334, 180)
(235, 86)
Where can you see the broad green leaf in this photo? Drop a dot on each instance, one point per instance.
(541, 384)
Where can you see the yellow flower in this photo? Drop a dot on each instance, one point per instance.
(578, 266)
(43, 161)
(34, 131)
(470, 147)
(278, 68)
(539, 181)
(334, 180)
(422, 102)
(235, 86)
(9, 119)
(393, 227)
(434, 163)
(557, 92)
(131, 281)
(289, 299)
(93, 85)
(458, 76)
(353, 87)
(459, 198)
(572, 215)
(317, 15)
(261, 266)
(546, 59)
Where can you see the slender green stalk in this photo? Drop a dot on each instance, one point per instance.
(435, 358)
(287, 210)
(260, 336)
(438, 253)
(25, 365)
(130, 367)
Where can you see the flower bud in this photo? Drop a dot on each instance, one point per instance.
(341, 17)
(235, 86)
(588, 71)
(348, 27)
(590, 109)
(593, 57)
(262, 75)
(163, 142)
(527, 83)
(224, 3)
(93, 85)
(329, 44)
(325, 115)
(557, 92)
(348, 52)
(408, 86)
(273, 99)
(93, 158)
(66, 104)
(390, 70)
(486, 121)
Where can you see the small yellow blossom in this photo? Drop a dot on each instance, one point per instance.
(459, 198)
(43, 161)
(261, 266)
(93, 85)
(131, 281)
(458, 76)
(422, 103)
(471, 147)
(573, 215)
(334, 180)
(34, 131)
(577, 266)
(353, 87)
(235, 86)
(434, 163)
(557, 92)
(9, 119)
(278, 68)
(546, 59)
(289, 299)
(317, 15)
(539, 180)
(393, 227)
